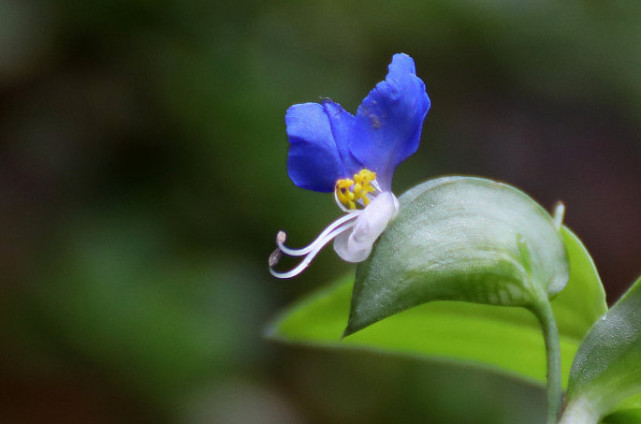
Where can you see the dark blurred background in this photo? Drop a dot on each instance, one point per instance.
(143, 179)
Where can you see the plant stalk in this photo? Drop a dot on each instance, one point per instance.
(543, 311)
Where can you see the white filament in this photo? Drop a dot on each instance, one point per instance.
(354, 235)
(281, 236)
(317, 246)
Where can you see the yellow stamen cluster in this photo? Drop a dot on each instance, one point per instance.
(350, 191)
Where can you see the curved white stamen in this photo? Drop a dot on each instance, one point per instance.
(353, 234)
(318, 246)
(281, 237)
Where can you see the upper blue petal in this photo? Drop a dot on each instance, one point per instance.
(315, 160)
(388, 122)
(342, 122)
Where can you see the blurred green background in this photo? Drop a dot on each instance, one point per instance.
(143, 179)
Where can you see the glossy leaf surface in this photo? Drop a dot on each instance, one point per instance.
(505, 339)
(461, 238)
(607, 368)
(628, 416)
(627, 412)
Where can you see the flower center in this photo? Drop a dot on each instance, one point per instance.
(354, 233)
(352, 192)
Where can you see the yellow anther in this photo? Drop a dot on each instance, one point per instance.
(349, 191)
(344, 194)
(365, 176)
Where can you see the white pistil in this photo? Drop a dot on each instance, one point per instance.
(281, 237)
(354, 233)
(334, 229)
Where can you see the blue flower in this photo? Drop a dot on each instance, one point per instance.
(354, 156)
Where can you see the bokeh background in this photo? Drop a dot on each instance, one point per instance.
(143, 179)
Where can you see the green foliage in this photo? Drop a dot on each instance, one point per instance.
(629, 416)
(174, 108)
(627, 412)
(607, 368)
(505, 339)
(461, 238)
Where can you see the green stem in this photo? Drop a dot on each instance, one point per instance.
(543, 312)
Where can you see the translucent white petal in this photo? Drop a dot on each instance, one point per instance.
(355, 245)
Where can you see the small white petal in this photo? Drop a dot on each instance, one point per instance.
(356, 245)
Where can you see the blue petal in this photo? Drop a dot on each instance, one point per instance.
(342, 123)
(389, 121)
(314, 161)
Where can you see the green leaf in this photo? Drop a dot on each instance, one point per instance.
(627, 412)
(629, 416)
(607, 368)
(461, 238)
(507, 340)
(582, 302)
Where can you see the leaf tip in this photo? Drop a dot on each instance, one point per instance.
(354, 325)
(348, 331)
